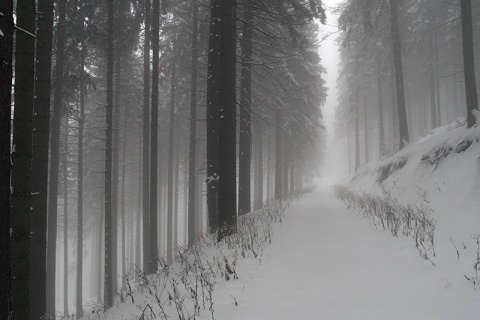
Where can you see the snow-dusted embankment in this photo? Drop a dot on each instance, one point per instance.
(441, 171)
(328, 262)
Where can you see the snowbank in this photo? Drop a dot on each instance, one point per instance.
(441, 171)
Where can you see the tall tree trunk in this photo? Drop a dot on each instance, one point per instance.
(433, 96)
(162, 204)
(227, 186)
(139, 214)
(185, 196)
(153, 254)
(176, 183)
(365, 126)
(100, 255)
(170, 167)
(437, 79)
(292, 178)
(357, 130)
(22, 159)
(456, 103)
(469, 62)
(41, 132)
(65, 220)
(397, 56)
(124, 258)
(300, 179)
(81, 121)
(6, 56)
(55, 159)
(424, 109)
(259, 169)
(198, 219)
(93, 264)
(394, 114)
(285, 162)
(349, 148)
(193, 128)
(381, 124)
(269, 163)
(213, 108)
(245, 141)
(115, 169)
(108, 280)
(146, 141)
(278, 156)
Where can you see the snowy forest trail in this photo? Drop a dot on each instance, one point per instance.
(327, 262)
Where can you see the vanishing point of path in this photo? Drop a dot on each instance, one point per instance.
(327, 262)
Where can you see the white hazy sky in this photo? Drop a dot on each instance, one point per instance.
(330, 58)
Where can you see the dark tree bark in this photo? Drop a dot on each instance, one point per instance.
(41, 132)
(22, 159)
(469, 61)
(153, 254)
(193, 129)
(6, 55)
(227, 193)
(146, 140)
(108, 281)
(245, 141)
(170, 167)
(213, 107)
(55, 159)
(81, 121)
(397, 56)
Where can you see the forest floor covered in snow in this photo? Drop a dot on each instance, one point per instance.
(328, 261)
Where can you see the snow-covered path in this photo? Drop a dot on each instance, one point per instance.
(327, 262)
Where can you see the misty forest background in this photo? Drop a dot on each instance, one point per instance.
(136, 126)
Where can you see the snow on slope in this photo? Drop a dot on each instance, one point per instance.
(442, 171)
(327, 262)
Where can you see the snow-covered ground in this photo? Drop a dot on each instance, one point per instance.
(441, 171)
(329, 262)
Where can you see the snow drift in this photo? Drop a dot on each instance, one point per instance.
(440, 171)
